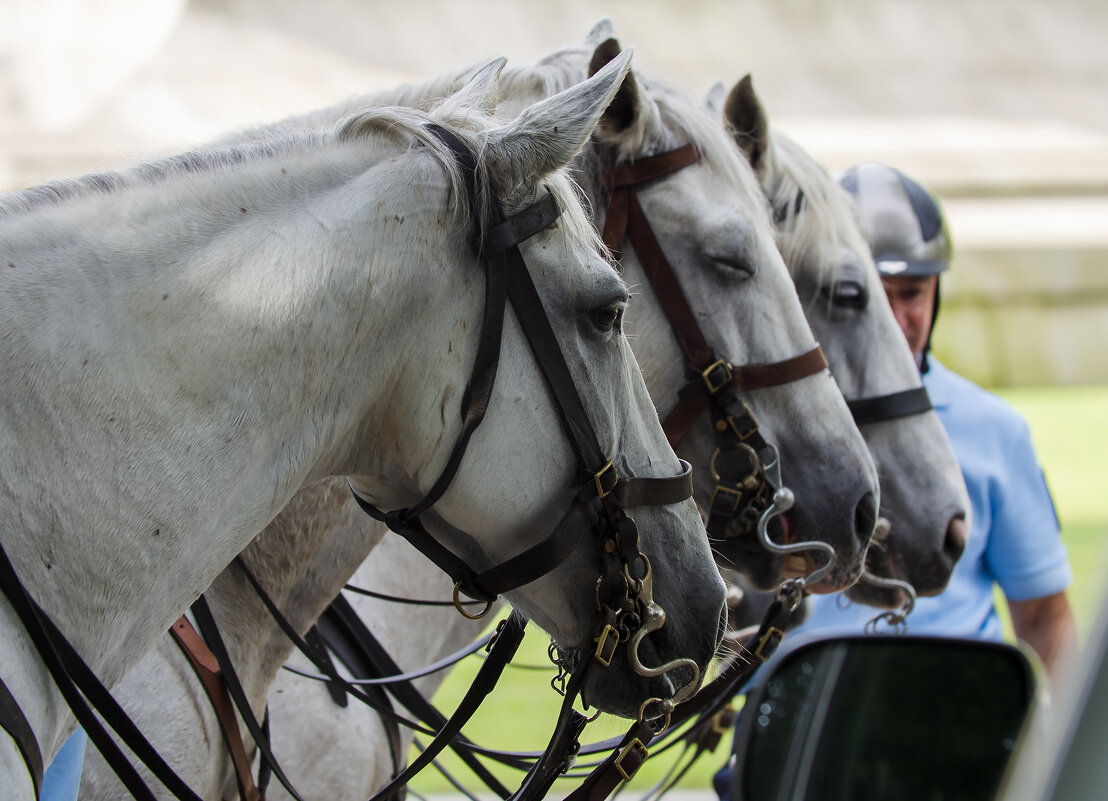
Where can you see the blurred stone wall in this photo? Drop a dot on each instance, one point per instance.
(997, 105)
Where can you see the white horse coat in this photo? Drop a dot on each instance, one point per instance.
(187, 344)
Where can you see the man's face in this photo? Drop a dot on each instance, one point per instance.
(913, 301)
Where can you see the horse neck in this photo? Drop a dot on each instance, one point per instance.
(185, 461)
(302, 560)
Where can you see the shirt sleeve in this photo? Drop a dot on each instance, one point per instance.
(1025, 548)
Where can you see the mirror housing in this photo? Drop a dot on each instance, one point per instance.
(906, 717)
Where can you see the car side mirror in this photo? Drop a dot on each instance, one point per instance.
(899, 717)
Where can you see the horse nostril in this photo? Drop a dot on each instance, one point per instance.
(955, 541)
(865, 517)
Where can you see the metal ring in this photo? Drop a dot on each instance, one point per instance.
(459, 605)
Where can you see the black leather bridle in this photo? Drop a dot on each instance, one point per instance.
(892, 406)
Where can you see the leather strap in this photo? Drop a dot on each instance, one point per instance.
(348, 634)
(206, 622)
(76, 682)
(653, 167)
(656, 491)
(15, 723)
(206, 668)
(696, 396)
(890, 407)
(503, 649)
(562, 748)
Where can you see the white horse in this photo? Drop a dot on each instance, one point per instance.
(189, 342)
(716, 199)
(924, 504)
(702, 213)
(718, 236)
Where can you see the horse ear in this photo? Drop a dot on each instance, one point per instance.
(550, 133)
(481, 92)
(713, 101)
(744, 113)
(599, 32)
(623, 109)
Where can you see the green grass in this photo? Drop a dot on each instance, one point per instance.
(1070, 429)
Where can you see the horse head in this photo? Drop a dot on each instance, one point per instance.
(668, 162)
(922, 528)
(561, 414)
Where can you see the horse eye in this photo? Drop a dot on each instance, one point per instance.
(848, 295)
(734, 265)
(607, 318)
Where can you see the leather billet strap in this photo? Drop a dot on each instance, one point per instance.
(206, 668)
(890, 407)
(15, 723)
(205, 621)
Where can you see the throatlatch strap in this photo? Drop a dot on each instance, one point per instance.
(891, 406)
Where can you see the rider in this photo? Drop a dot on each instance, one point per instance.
(1014, 539)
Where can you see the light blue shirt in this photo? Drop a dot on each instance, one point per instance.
(62, 778)
(1014, 539)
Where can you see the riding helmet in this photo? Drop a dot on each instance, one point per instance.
(902, 222)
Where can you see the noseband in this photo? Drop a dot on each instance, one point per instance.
(623, 590)
(890, 407)
(745, 466)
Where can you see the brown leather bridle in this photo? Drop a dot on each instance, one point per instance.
(744, 465)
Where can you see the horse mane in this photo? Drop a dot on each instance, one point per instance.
(407, 125)
(195, 161)
(677, 121)
(827, 212)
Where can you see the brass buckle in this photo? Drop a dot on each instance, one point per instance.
(773, 633)
(727, 491)
(637, 746)
(743, 435)
(705, 374)
(598, 475)
(723, 720)
(605, 653)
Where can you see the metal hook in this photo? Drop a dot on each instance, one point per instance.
(895, 619)
(783, 500)
(653, 618)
